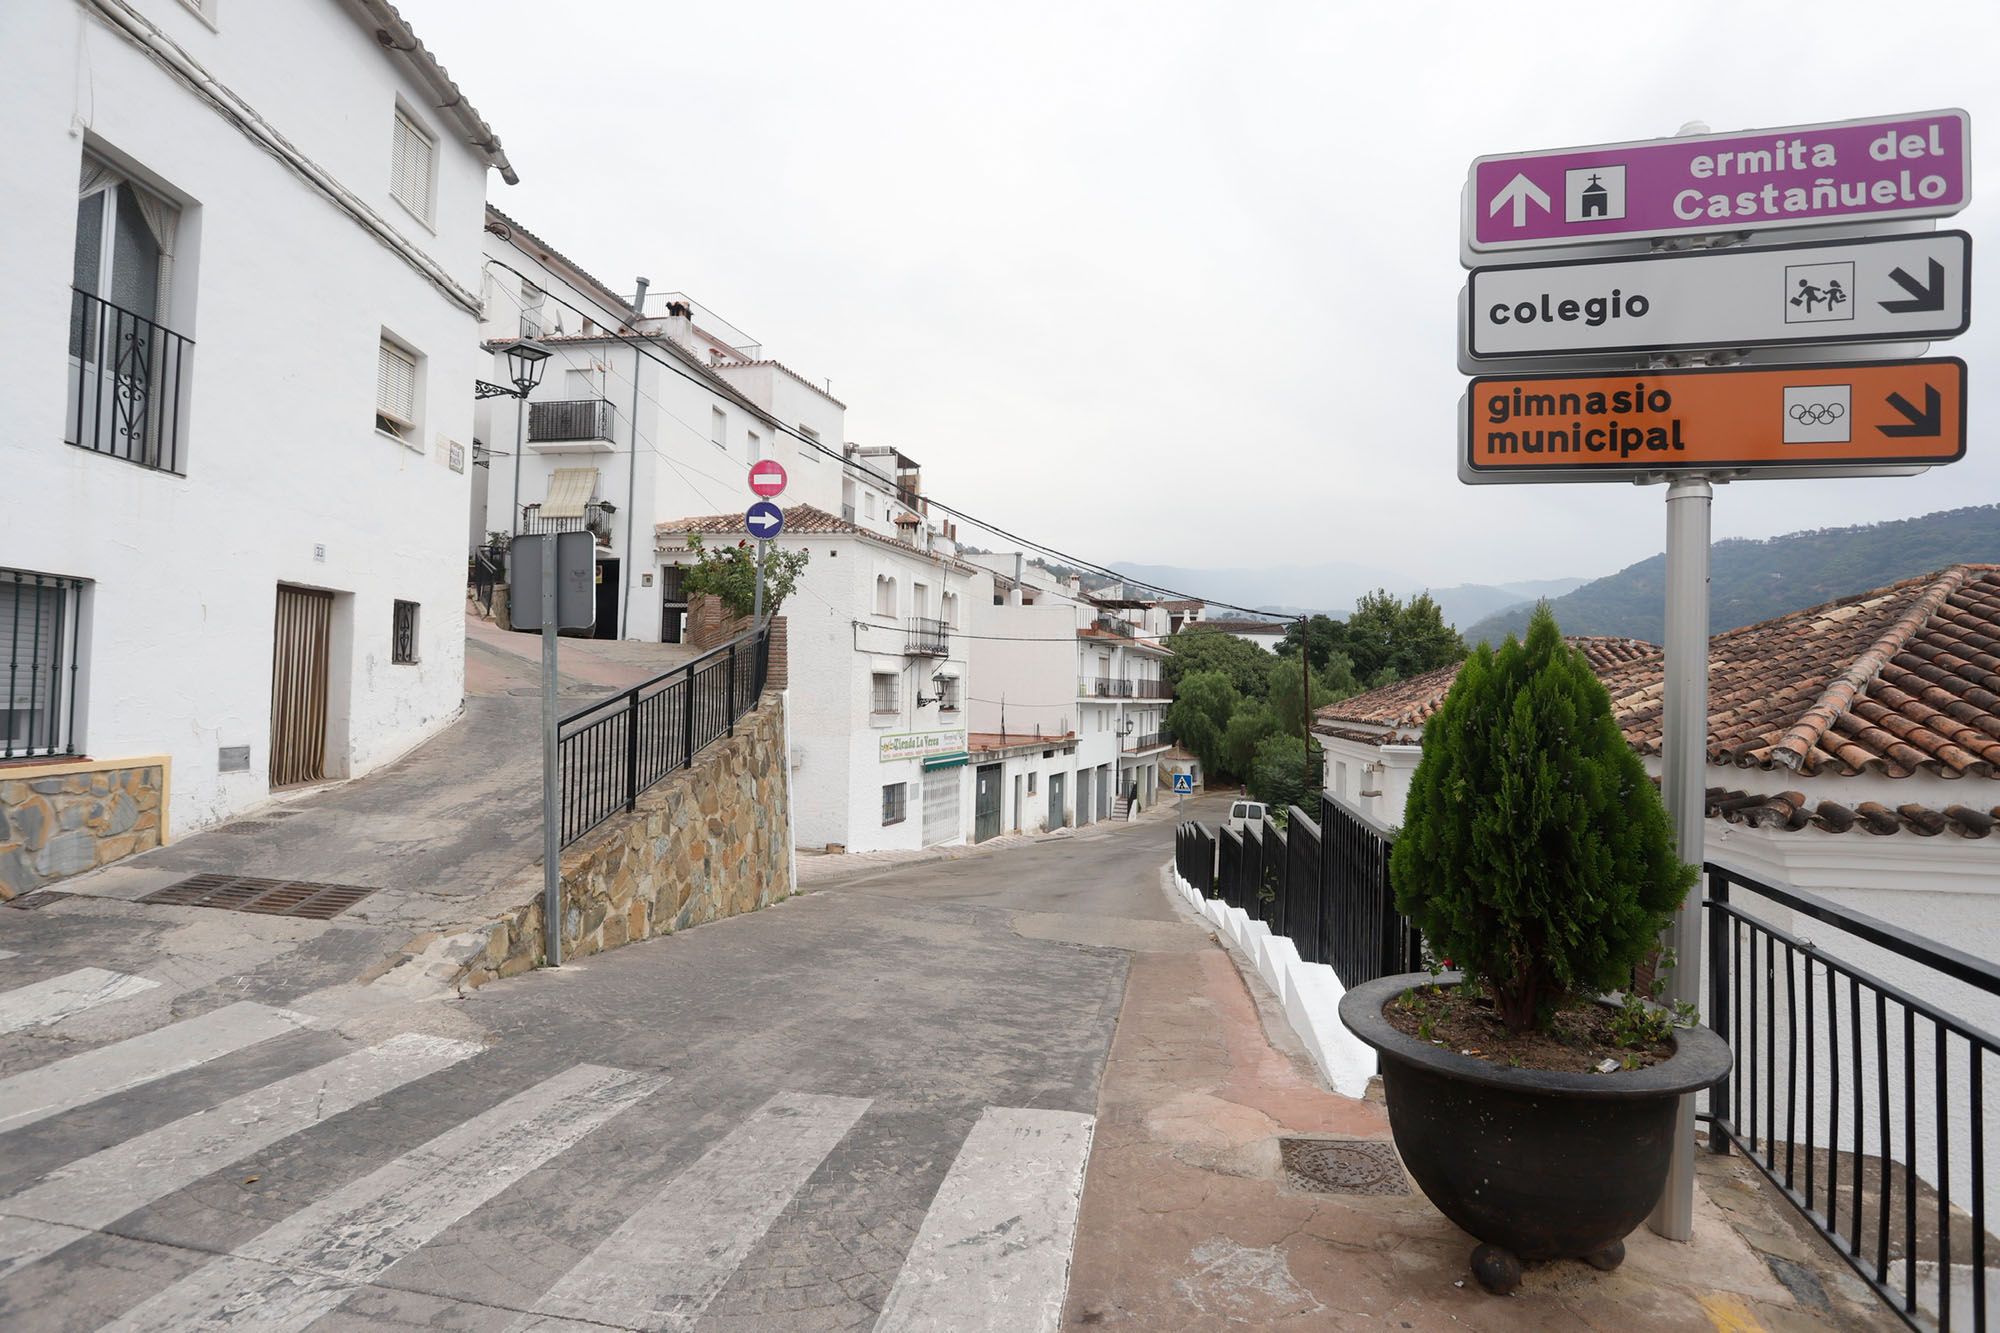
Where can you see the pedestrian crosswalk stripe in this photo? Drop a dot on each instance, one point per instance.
(994, 1249)
(667, 1262)
(78, 1080)
(53, 1000)
(306, 1265)
(6, 953)
(97, 1190)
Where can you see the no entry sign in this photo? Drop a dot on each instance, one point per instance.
(1846, 171)
(1827, 419)
(767, 477)
(1876, 289)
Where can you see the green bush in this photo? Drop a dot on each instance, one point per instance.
(1281, 773)
(1535, 853)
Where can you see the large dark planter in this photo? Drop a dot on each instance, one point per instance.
(1537, 1164)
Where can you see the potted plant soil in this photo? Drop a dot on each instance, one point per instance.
(1537, 860)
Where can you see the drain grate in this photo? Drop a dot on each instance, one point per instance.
(270, 897)
(1343, 1166)
(241, 826)
(28, 902)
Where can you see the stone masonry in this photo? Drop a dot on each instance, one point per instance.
(61, 824)
(709, 842)
(710, 626)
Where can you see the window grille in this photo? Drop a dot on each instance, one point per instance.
(885, 692)
(895, 801)
(38, 664)
(411, 155)
(395, 392)
(404, 650)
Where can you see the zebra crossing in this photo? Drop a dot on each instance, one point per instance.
(992, 1250)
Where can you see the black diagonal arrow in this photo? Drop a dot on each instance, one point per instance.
(1924, 297)
(1928, 422)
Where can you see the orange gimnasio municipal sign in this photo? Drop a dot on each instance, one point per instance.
(1830, 417)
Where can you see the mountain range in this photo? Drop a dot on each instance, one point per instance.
(1333, 588)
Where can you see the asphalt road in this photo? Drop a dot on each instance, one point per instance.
(866, 1107)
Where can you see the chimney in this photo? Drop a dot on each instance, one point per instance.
(639, 298)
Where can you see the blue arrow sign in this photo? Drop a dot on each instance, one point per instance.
(1183, 783)
(764, 519)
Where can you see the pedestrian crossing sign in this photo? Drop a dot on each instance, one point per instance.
(1183, 784)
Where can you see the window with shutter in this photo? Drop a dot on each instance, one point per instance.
(396, 392)
(38, 663)
(411, 155)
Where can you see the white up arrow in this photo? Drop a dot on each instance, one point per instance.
(1518, 192)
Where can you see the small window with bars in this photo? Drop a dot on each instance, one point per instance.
(885, 692)
(895, 803)
(39, 615)
(412, 153)
(403, 646)
(396, 393)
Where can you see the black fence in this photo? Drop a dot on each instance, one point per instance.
(486, 570)
(558, 419)
(1859, 1098)
(618, 747)
(1322, 884)
(130, 379)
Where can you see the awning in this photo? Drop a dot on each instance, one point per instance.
(570, 489)
(958, 760)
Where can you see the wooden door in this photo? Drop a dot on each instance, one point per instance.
(301, 650)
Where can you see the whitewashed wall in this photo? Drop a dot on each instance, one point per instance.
(286, 299)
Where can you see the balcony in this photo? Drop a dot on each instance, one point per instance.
(570, 426)
(128, 384)
(1107, 687)
(925, 637)
(596, 520)
(1146, 740)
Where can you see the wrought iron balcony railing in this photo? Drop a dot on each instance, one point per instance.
(596, 518)
(128, 384)
(925, 637)
(569, 419)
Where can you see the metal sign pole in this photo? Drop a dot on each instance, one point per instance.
(757, 598)
(1683, 782)
(551, 816)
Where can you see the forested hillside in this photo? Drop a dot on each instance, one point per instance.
(1755, 580)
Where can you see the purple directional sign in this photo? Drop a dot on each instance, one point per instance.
(1798, 176)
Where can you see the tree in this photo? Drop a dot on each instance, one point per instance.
(1322, 635)
(1284, 689)
(1281, 772)
(731, 574)
(1385, 633)
(1535, 853)
(1198, 649)
(1200, 714)
(1250, 724)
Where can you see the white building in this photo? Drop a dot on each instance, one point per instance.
(876, 660)
(238, 378)
(693, 391)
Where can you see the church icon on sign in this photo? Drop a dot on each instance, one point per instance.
(1593, 192)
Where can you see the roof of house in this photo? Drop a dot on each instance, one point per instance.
(1894, 681)
(779, 365)
(1148, 645)
(511, 230)
(986, 741)
(394, 34)
(801, 520)
(1793, 810)
(1238, 626)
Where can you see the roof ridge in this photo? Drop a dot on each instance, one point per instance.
(1792, 748)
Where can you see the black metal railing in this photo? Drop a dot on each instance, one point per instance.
(618, 747)
(559, 419)
(1860, 1097)
(926, 637)
(1324, 885)
(486, 570)
(130, 382)
(1194, 857)
(1105, 687)
(1151, 689)
(596, 518)
(1147, 740)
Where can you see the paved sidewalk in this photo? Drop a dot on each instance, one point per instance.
(1189, 1220)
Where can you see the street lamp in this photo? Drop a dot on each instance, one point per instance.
(524, 367)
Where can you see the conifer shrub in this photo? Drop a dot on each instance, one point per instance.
(1535, 853)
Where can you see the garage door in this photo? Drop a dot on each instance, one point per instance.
(941, 822)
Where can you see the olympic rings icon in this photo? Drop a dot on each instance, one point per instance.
(1816, 414)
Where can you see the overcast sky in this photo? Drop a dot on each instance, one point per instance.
(1169, 282)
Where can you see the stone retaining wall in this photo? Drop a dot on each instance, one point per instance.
(711, 841)
(710, 626)
(58, 820)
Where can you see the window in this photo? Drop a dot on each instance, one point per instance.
(38, 663)
(532, 300)
(948, 693)
(885, 692)
(756, 446)
(403, 650)
(948, 608)
(411, 154)
(920, 598)
(895, 803)
(885, 595)
(718, 428)
(868, 503)
(396, 393)
(1031, 782)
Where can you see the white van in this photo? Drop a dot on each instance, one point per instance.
(1243, 813)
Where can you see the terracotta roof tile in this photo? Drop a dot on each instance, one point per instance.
(1408, 704)
(1789, 810)
(801, 520)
